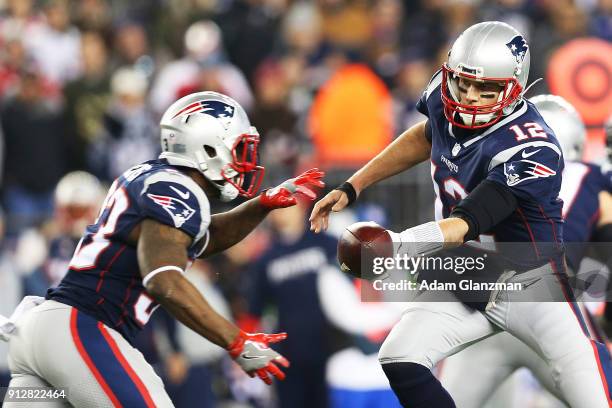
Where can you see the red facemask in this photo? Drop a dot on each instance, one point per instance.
(511, 91)
(244, 162)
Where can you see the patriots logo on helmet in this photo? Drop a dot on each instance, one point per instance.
(179, 211)
(518, 171)
(217, 109)
(518, 47)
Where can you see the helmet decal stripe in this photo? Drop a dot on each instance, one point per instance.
(187, 108)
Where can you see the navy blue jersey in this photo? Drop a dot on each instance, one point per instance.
(520, 152)
(103, 278)
(286, 276)
(582, 183)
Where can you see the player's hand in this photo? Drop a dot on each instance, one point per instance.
(177, 368)
(335, 200)
(255, 357)
(285, 194)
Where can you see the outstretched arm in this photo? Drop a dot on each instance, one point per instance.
(161, 246)
(229, 228)
(486, 206)
(410, 148)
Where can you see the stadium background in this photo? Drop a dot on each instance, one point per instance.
(327, 83)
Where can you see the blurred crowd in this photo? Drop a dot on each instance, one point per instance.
(84, 83)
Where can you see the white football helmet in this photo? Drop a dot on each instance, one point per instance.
(211, 132)
(565, 121)
(490, 51)
(78, 196)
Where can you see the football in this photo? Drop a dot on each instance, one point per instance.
(358, 246)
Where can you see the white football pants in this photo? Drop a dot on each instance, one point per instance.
(430, 331)
(56, 345)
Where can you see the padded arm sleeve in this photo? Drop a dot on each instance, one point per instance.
(486, 206)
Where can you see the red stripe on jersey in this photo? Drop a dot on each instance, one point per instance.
(128, 291)
(108, 266)
(79, 346)
(535, 247)
(552, 223)
(126, 366)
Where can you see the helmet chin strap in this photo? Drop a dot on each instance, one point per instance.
(528, 87)
(228, 192)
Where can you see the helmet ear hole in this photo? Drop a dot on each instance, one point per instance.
(210, 151)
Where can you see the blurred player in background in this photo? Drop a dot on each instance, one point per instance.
(77, 198)
(496, 167)
(154, 221)
(587, 211)
(353, 373)
(285, 277)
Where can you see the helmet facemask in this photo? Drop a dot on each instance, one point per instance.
(472, 116)
(243, 173)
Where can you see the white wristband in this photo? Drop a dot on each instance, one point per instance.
(154, 272)
(423, 239)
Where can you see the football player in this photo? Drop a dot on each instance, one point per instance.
(496, 168)
(154, 221)
(77, 198)
(587, 210)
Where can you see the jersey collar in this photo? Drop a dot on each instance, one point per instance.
(519, 111)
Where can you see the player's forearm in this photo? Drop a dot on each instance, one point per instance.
(183, 301)
(229, 228)
(454, 231)
(409, 149)
(430, 237)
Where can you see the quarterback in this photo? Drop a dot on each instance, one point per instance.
(587, 210)
(153, 223)
(496, 168)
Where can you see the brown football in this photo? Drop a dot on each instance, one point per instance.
(359, 244)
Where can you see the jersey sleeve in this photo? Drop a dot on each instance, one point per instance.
(175, 200)
(421, 105)
(606, 177)
(530, 170)
(434, 83)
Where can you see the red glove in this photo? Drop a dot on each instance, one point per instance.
(285, 195)
(255, 357)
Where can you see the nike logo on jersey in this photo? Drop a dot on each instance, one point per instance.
(184, 195)
(178, 210)
(526, 155)
(518, 171)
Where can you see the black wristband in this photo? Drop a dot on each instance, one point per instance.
(349, 190)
